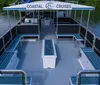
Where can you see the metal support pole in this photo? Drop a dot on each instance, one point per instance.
(20, 15)
(70, 13)
(88, 19)
(16, 30)
(87, 26)
(38, 16)
(67, 13)
(3, 42)
(94, 42)
(14, 16)
(24, 78)
(81, 17)
(75, 14)
(81, 20)
(50, 13)
(43, 13)
(33, 14)
(53, 14)
(57, 23)
(8, 18)
(38, 25)
(11, 35)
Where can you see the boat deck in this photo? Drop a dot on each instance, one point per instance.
(67, 63)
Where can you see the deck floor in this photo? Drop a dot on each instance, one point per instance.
(67, 63)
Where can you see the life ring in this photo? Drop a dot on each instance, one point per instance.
(26, 1)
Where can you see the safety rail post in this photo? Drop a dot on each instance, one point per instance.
(87, 26)
(8, 18)
(81, 20)
(86, 72)
(24, 78)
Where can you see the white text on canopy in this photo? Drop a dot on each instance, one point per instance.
(48, 6)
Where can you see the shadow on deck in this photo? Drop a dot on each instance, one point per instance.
(67, 63)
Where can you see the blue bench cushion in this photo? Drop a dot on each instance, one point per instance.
(17, 39)
(94, 59)
(48, 47)
(78, 37)
(5, 59)
(87, 49)
(85, 80)
(13, 80)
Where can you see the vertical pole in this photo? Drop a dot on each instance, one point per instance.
(8, 18)
(38, 25)
(67, 13)
(94, 42)
(75, 15)
(81, 16)
(50, 13)
(81, 20)
(11, 35)
(3, 42)
(57, 23)
(38, 16)
(20, 16)
(43, 14)
(87, 26)
(33, 14)
(53, 14)
(14, 17)
(70, 13)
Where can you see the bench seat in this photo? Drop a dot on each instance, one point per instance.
(78, 37)
(17, 39)
(86, 49)
(14, 80)
(94, 59)
(91, 56)
(85, 80)
(5, 59)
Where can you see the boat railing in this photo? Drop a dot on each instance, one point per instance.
(24, 78)
(86, 72)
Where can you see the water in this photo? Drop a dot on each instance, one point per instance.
(94, 24)
(4, 23)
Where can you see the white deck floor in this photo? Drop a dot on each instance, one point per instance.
(67, 63)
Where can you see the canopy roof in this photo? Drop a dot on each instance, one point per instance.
(48, 5)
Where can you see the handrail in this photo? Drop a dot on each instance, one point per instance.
(86, 72)
(24, 78)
